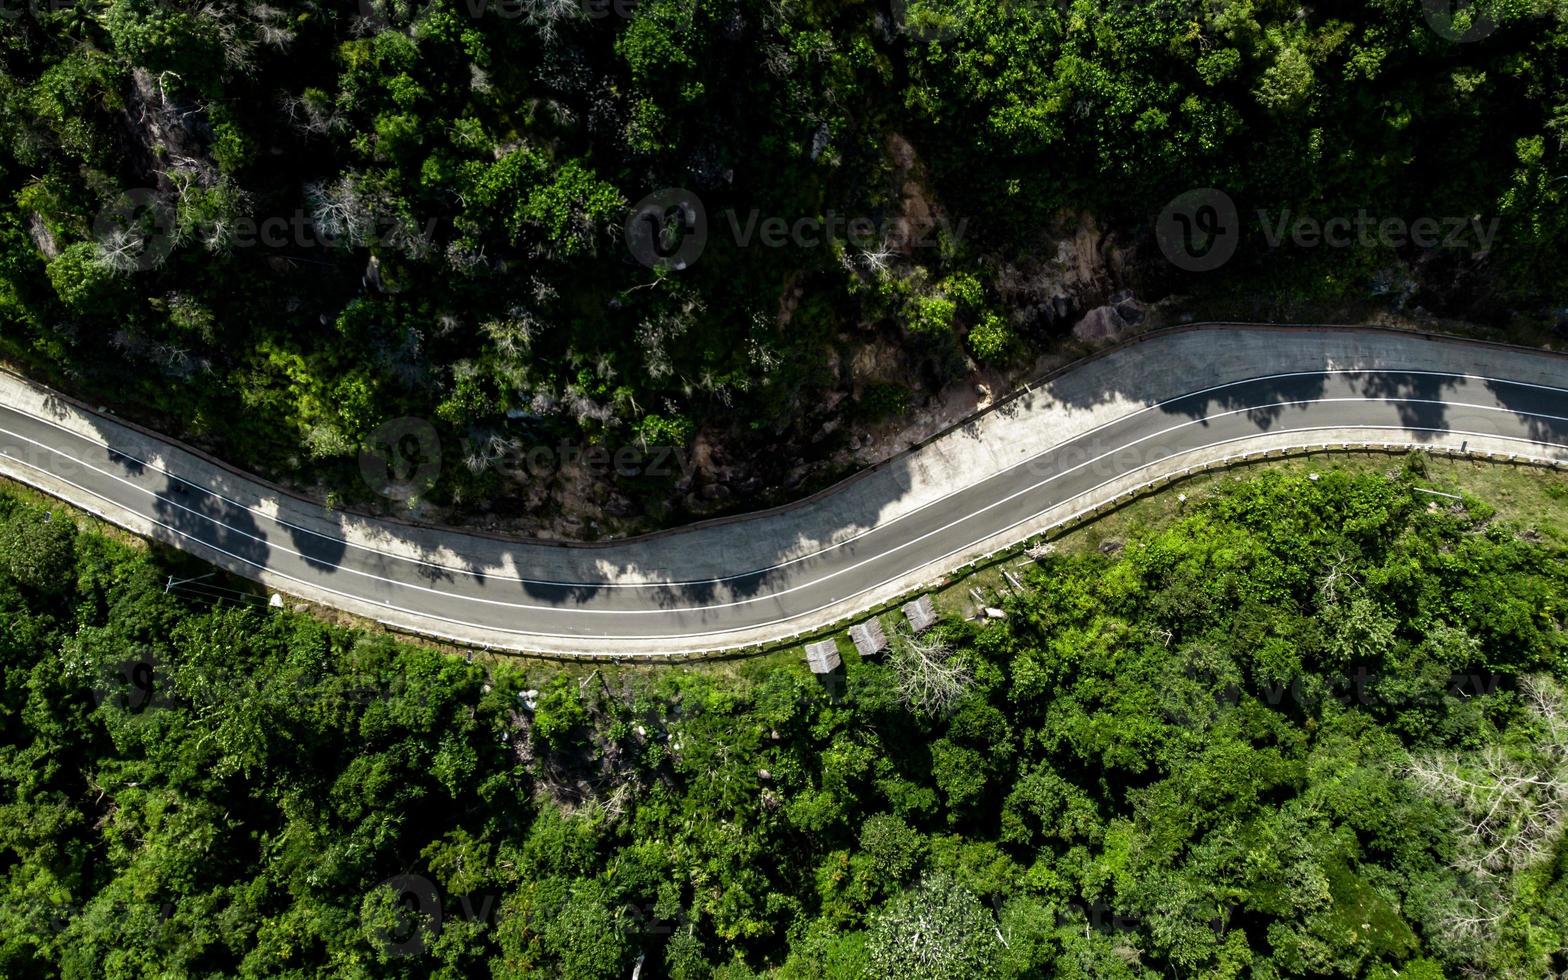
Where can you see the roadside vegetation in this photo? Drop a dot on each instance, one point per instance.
(274, 227)
(1292, 728)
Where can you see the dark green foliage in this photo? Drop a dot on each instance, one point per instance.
(362, 210)
(37, 551)
(937, 930)
(1197, 756)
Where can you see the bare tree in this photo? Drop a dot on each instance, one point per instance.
(654, 336)
(764, 359)
(584, 407)
(339, 211)
(876, 260)
(313, 113)
(272, 26)
(486, 447)
(1335, 575)
(513, 334)
(465, 257)
(930, 678)
(1511, 810)
(547, 14)
(208, 211)
(120, 249)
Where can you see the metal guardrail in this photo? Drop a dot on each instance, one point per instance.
(1059, 528)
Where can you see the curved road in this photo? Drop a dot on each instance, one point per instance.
(1118, 421)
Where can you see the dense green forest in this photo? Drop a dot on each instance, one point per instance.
(274, 227)
(1302, 728)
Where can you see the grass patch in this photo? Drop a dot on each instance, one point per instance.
(1533, 498)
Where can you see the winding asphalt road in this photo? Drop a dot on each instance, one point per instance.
(724, 584)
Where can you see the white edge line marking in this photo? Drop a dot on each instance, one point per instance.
(378, 524)
(774, 595)
(336, 566)
(755, 626)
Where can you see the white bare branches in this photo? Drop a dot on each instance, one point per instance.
(313, 112)
(340, 210)
(1510, 806)
(763, 359)
(654, 336)
(546, 14)
(1548, 703)
(1335, 578)
(930, 678)
(120, 249)
(513, 334)
(875, 260)
(272, 26)
(487, 448)
(240, 31)
(208, 211)
(1511, 814)
(228, 26)
(584, 408)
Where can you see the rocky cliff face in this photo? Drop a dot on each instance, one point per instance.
(1075, 271)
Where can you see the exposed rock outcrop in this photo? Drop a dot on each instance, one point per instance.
(1048, 292)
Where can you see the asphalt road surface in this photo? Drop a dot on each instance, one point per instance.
(596, 599)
